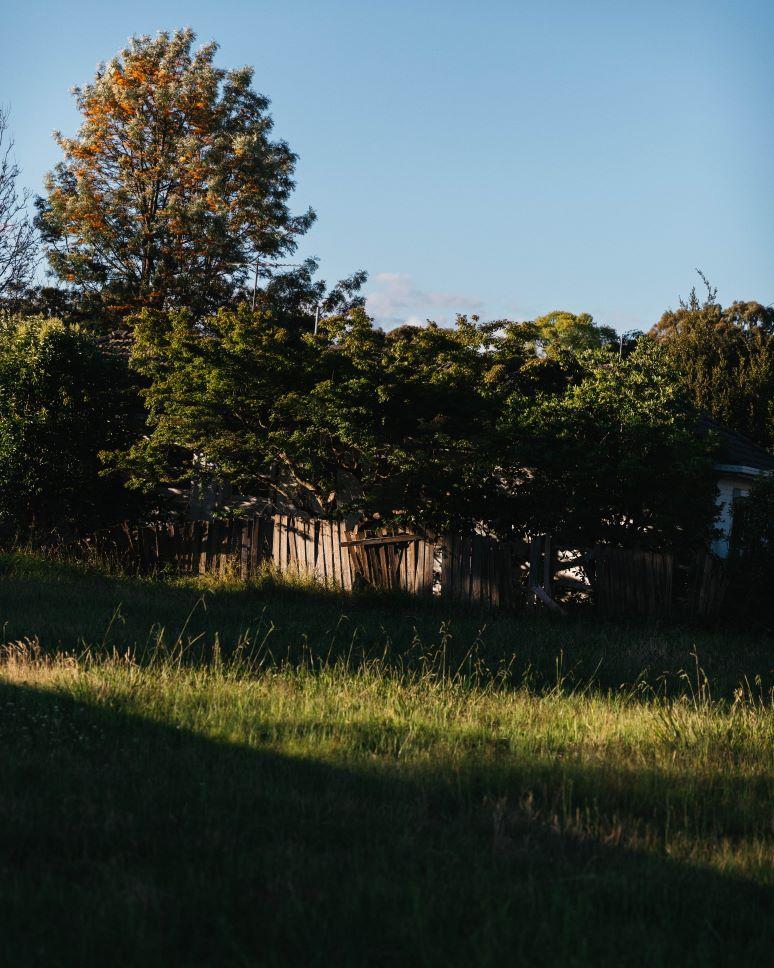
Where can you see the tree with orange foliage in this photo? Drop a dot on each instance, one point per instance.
(172, 189)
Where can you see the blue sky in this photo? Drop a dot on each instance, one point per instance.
(505, 158)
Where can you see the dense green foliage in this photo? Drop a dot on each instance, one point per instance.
(293, 804)
(480, 423)
(304, 397)
(725, 359)
(614, 458)
(62, 400)
(350, 417)
(560, 330)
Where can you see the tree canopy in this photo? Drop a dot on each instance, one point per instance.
(346, 418)
(614, 457)
(560, 330)
(439, 426)
(724, 357)
(172, 189)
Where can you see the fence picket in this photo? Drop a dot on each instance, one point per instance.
(343, 558)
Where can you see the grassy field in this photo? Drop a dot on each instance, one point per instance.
(195, 775)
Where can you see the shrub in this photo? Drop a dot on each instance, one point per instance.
(63, 399)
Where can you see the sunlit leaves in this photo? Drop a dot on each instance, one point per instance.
(172, 187)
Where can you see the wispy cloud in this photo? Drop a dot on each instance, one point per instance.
(394, 299)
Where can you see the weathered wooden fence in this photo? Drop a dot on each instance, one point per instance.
(630, 582)
(480, 569)
(313, 548)
(310, 548)
(625, 581)
(469, 567)
(236, 547)
(389, 560)
(708, 582)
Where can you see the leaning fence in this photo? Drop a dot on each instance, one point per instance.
(464, 567)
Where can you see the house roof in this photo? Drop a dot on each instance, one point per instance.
(734, 449)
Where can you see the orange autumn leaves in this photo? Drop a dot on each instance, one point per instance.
(171, 187)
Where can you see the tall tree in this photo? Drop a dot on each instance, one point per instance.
(18, 244)
(724, 357)
(172, 190)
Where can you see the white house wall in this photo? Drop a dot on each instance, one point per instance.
(725, 499)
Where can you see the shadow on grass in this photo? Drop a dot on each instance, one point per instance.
(128, 842)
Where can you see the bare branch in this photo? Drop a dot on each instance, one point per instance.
(18, 242)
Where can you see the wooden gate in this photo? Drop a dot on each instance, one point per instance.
(394, 562)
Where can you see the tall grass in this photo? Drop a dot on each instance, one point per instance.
(202, 775)
(71, 606)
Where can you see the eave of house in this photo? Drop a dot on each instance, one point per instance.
(740, 470)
